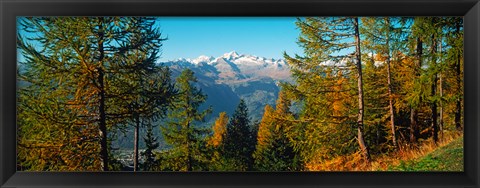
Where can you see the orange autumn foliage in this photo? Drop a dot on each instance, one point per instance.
(219, 130)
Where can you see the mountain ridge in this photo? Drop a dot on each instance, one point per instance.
(227, 79)
(234, 67)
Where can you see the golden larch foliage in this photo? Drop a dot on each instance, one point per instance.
(337, 97)
(265, 127)
(282, 104)
(219, 130)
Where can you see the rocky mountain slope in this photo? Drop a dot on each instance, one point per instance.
(232, 76)
(226, 80)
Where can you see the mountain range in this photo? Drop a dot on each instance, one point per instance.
(227, 79)
(232, 76)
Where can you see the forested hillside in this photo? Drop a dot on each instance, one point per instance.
(364, 91)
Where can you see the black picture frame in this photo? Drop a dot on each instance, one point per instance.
(9, 9)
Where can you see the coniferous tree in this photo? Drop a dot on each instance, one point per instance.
(74, 61)
(151, 96)
(182, 132)
(262, 152)
(376, 103)
(361, 110)
(151, 144)
(361, 86)
(239, 141)
(427, 29)
(448, 70)
(147, 89)
(384, 37)
(219, 130)
(454, 68)
(273, 151)
(216, 143)
(326, 85)
(458, 56)
(417, 98)
(415, 92)
(434, 84)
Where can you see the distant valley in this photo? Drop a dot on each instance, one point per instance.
(226, 80)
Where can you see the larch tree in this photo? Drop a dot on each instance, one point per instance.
(147, 90)
(436, 51)
(427, 29)
(449, 55)
(332, 60)
(383, 36)
(454, 57)
(458, 56)
(183, 133)
(416, 95)
(150, 97)
(265, 127)
(434, 84)
(72, 60)
(264, 137)
(219, 130)
(274, 151)
(376, 102)
(216, 142)
(358, 60)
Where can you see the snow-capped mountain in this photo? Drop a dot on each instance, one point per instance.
(234, 67)
(227, 79)
(232, 76)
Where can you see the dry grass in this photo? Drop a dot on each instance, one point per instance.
(354, 162)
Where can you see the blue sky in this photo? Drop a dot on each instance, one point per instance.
(190, 37)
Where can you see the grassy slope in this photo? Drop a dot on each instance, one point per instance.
(446, 158)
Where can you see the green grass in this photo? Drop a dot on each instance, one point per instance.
(446, 158)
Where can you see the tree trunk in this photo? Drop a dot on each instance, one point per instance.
(458, 106)
(433, 106)
(189, 153)
(103, 124)
(361, 140)
(135, 141)
(414, 130)
(390, 97)
(441, 97)
(434, 113)
(189, 157)
(440, 125)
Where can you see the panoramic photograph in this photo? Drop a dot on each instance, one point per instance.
(219, 94)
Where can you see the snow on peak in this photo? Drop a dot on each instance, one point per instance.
(182, 60)
(243, 60)
(230, 55)
(235, 66)
(203, 58)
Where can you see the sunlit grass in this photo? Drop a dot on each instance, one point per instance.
(446, 155)
(446, 158)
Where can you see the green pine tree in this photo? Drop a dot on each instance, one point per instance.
(151, 144)
(183, 134)
(239, 141)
